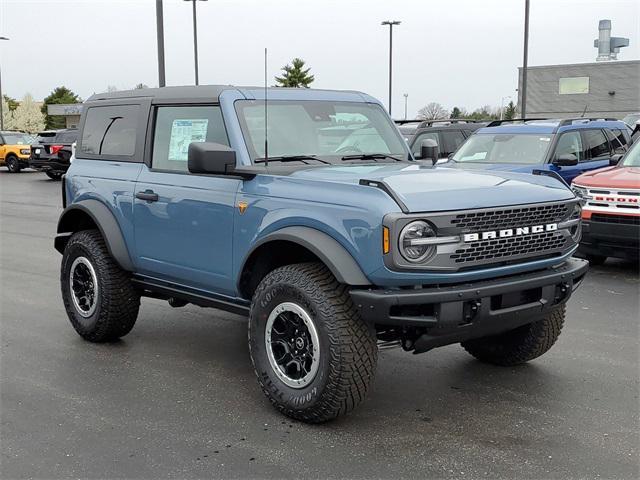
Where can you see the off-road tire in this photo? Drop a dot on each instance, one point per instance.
(596, 260)
(348, 349)
(521, 344)
(13, 164)
(54, 175)
(117, 301)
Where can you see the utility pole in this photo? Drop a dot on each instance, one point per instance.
(160, 41)
(195, 38)
(1, 97)
(525, 59)
(391, 23)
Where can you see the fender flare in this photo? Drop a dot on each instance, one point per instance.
(337, 259)
(106, 223)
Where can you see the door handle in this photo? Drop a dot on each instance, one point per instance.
(147, 196)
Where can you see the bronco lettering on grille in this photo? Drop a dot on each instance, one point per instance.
(509, 232)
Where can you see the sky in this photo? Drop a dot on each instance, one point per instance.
(461, 53)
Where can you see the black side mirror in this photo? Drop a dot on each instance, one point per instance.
(615, 159)
(212, 158)
(429, 150)
(566, 160)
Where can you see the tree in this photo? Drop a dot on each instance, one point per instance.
(295, 75)
(141, 86)
(58, 96)
(7, 114)
(510, 111)
(28, 116)
(456, 113)
(432, 111)
(111, 88)
(11, 102)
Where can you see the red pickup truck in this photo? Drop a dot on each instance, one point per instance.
(611, 209)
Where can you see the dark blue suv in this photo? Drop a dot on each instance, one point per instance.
(308, 214)
(568, 147)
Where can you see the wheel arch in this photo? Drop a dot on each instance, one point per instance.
(93, 214)
(296, 245)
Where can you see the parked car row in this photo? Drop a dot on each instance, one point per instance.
(49, 151)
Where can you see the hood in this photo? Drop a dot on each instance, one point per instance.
(611, 177)
(424, 188)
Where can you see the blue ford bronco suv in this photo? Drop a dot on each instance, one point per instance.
(309, 215)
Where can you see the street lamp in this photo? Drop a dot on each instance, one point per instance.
(391, 23)
(525, 60)
(406, 95)
(195, 36)
(160, 41)
(502, 105)
(1, 97)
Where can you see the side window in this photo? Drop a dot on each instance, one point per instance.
(618, 140)
(177, 127)
(570, 143)
(110, 131)
(425, 136)
(452, 139)
(596, 144)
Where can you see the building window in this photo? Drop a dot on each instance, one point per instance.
(573, 85)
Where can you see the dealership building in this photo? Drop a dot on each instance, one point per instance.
(71, 113)
(602, 89)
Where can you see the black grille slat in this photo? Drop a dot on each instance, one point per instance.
(511, 217)
(617, 219)
(511, 247)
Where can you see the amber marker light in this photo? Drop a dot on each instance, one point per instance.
(385, 240)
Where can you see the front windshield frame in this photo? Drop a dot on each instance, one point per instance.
(459, 157)
(17, 138)
(632, 158)
(394, 144)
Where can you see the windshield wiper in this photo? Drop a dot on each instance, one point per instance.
(290, 158)
(370, 156)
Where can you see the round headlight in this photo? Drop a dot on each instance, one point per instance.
(412, 245)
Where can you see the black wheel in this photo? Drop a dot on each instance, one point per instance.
(13, 164)
(520, 345)
(314, 356)
(54, 175)
(596, 260)
(98, 295)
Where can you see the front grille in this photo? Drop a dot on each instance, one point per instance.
(489, 251)
(512, 217)
(617, 219)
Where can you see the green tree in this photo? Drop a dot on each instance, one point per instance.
(7, 114)
(456, 113)
(141, 86)
(61, 95)
(12, 103)
(295, 75)
(510, 111)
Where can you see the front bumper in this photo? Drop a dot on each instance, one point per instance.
(456, 313)
(610, 239)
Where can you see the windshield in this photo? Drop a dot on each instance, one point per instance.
(632, 159)
(17, 139)
(631, 119)
(324, 129)
(504, 148)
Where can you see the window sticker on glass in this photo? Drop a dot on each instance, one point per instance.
(184, 132)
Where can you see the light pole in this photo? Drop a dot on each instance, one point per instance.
(391, 23)
(525, 59)
(1, 97)
(195, 36)
(406, 95)
(502, 106)
(160, 41)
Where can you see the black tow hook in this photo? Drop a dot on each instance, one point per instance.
(563, 291)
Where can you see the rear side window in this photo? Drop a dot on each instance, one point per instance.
(596, 144)
(67, 137)
(177, 127)
(618, 140)
(110, 131)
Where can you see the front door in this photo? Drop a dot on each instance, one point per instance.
(184, 222)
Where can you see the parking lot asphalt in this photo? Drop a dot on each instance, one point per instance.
(177, 397)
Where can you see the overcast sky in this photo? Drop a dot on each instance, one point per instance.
(456, 52)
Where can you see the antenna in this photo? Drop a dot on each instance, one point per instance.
(266, 143)
(584, 111)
